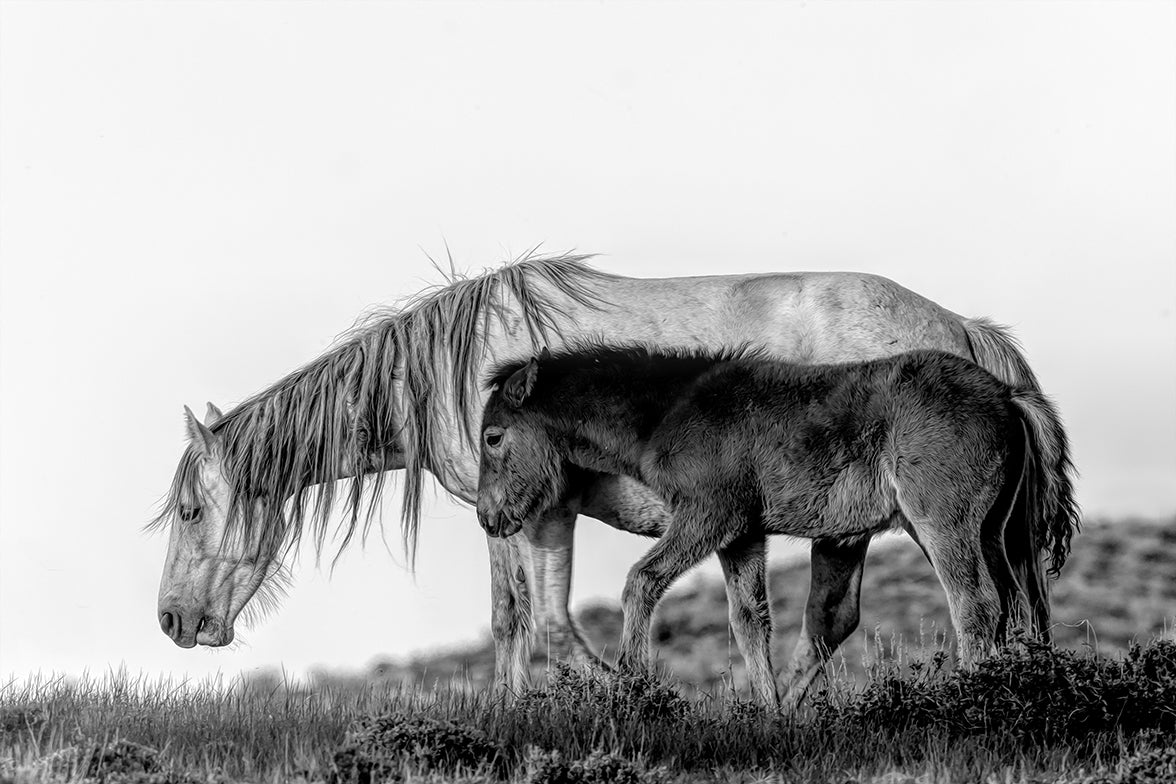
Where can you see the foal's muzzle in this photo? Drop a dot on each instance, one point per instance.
(495, 523)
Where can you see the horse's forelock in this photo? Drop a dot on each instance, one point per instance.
(185, 484)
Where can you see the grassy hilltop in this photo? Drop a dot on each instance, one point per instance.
(1034, 714)
(1119, 585)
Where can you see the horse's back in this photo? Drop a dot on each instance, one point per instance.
(812, 317)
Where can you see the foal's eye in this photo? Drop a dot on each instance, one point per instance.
(493, 438)
(189, 514)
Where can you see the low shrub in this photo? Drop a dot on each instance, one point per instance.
(599, 767)
(619, 696)
(1030, 689)
(380, 747)
(1153, 766)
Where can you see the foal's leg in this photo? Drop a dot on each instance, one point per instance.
(831, 613)
(692, 536)
(955, 551)
(744, 567)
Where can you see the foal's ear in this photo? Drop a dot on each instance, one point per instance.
(518, 387)
(201, 437)
(213, 415)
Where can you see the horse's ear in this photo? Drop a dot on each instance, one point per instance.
(200, 436)
(518, 387)
(213, 415)
(545, 354)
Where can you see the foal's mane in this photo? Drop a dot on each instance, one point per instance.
(335, 415)
(623, 358)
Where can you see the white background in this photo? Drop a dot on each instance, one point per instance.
(197, 197)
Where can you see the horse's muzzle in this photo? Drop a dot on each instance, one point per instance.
(172, 623)
(192, 631)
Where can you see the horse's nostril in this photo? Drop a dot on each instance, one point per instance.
(170, 624)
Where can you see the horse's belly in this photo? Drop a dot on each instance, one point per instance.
(857, 501)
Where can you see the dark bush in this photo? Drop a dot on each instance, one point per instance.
(1030, 689)
(379, 747)
(599, 767)
(608, 695)
(18, 721)
(1154, 766)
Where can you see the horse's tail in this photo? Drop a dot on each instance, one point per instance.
(1045, 515)
(997, 351)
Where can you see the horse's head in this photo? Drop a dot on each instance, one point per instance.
(211, 572)
(520, 472)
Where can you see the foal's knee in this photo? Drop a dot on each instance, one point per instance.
(845, 622)
(641, 589)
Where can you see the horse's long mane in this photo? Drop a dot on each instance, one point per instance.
(335, 415)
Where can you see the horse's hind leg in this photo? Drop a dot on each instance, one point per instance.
(745, 570)
(831, 613)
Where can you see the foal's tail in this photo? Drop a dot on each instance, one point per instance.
(1044, 517)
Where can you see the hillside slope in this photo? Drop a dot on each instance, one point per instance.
(1119, 585)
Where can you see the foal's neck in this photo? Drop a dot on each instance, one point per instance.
(606, 415)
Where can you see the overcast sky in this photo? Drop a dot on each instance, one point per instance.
(195, 198)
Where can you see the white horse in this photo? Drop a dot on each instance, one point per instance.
(403, 392)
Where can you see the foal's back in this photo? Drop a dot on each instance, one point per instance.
(825, 450)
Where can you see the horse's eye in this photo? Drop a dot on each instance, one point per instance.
(189, 514)
(493, 438)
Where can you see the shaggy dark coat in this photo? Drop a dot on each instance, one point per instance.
(742, 446)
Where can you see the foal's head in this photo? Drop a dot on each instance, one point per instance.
(521, 473)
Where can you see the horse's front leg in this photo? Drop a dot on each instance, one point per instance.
(551, 540)
(831, 613)
(510, 611)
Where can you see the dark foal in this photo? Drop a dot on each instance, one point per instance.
(741, 447)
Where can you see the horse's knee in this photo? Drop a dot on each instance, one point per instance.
(508, 620)
(504, 627)
(754, 615)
